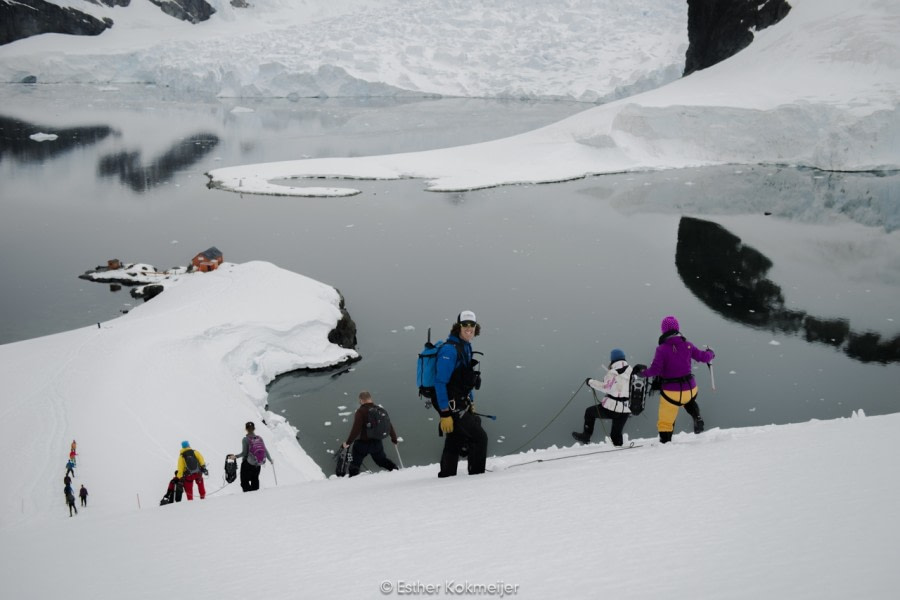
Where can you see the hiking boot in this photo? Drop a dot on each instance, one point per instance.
(698, 425)
(581, 438)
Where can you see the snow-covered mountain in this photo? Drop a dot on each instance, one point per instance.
(820, 89)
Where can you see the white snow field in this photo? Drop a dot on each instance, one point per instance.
(587, 50)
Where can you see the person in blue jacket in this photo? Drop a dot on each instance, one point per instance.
(454, 385)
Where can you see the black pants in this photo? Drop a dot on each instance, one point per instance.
(468, 434)
(84, 500)
(375, 448)
(249, 476)
(592, 413)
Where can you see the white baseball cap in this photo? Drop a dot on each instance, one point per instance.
(466, 315)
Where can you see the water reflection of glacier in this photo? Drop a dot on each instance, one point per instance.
(802, 195)
(730, 278)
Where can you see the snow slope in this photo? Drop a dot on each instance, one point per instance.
(819, 89)
(794, 511)
(192, 364)
(588, 50)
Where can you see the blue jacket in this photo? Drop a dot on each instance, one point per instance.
(447, 361)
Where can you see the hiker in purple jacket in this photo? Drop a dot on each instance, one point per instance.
(672, 365)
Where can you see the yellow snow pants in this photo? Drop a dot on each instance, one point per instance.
(668, 411)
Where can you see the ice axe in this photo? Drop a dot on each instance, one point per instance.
(712, 376)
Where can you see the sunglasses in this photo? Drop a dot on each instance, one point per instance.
(467, 323)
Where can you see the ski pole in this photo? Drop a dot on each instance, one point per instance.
(274, 473)
(397, 448)
(491, 417)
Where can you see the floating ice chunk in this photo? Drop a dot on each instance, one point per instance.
(43, 137)
(774, 343)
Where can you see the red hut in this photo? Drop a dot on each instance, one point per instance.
(208, 260)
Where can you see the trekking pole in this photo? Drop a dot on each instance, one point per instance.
(397, 448)
(274, 473)
(491, 417)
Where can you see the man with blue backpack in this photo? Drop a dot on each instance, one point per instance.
(454, 383)
(254, 454)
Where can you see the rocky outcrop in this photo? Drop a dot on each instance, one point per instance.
(192, 11)
(25, 18)
(718, 29)
(20, 19)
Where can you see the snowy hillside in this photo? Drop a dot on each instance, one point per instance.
(586, 50)
(192, 364)
(820, 89)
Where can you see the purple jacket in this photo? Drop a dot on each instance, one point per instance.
(673, 360)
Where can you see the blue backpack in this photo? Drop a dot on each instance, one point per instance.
(426, 367)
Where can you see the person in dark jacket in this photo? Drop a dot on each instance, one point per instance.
(359, 437)
(672, 365)
(83, 494)
(250, 467)
(614, 404)
(70, 500)
(174, 491)
(454, 385)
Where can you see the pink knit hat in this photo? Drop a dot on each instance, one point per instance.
(669, 323)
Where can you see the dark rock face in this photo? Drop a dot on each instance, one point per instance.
(344, 333)
(192, 11)
(718, 29)
(25, 18)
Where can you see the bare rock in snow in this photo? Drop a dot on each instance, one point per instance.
(25, 18)
(192, 11)
(718, 29)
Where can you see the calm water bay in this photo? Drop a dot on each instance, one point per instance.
(791, 275)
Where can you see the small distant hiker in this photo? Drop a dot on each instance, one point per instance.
(83, 494)
(67, 480)
(70, 500)
(70, 468)
(191, 468)
(72, 456)
(614, 405)
(173, 492)
(253, 456)
(74, 445)
(672, 366)
(454, 385)
(367, 433)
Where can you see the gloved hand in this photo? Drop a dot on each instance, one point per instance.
(447, 424)
(710, 350)
(203, 470)
(587, 381)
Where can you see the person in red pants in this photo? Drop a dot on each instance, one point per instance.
(191, 468)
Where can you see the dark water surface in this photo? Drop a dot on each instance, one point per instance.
(792, 276)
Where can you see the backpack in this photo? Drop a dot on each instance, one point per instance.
(191, 464)
(638, 389)
(426, 367)
(378, 423)
(257, 448)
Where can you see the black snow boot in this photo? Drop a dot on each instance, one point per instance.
(581, 438)
(665, 437)
(698, 424)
